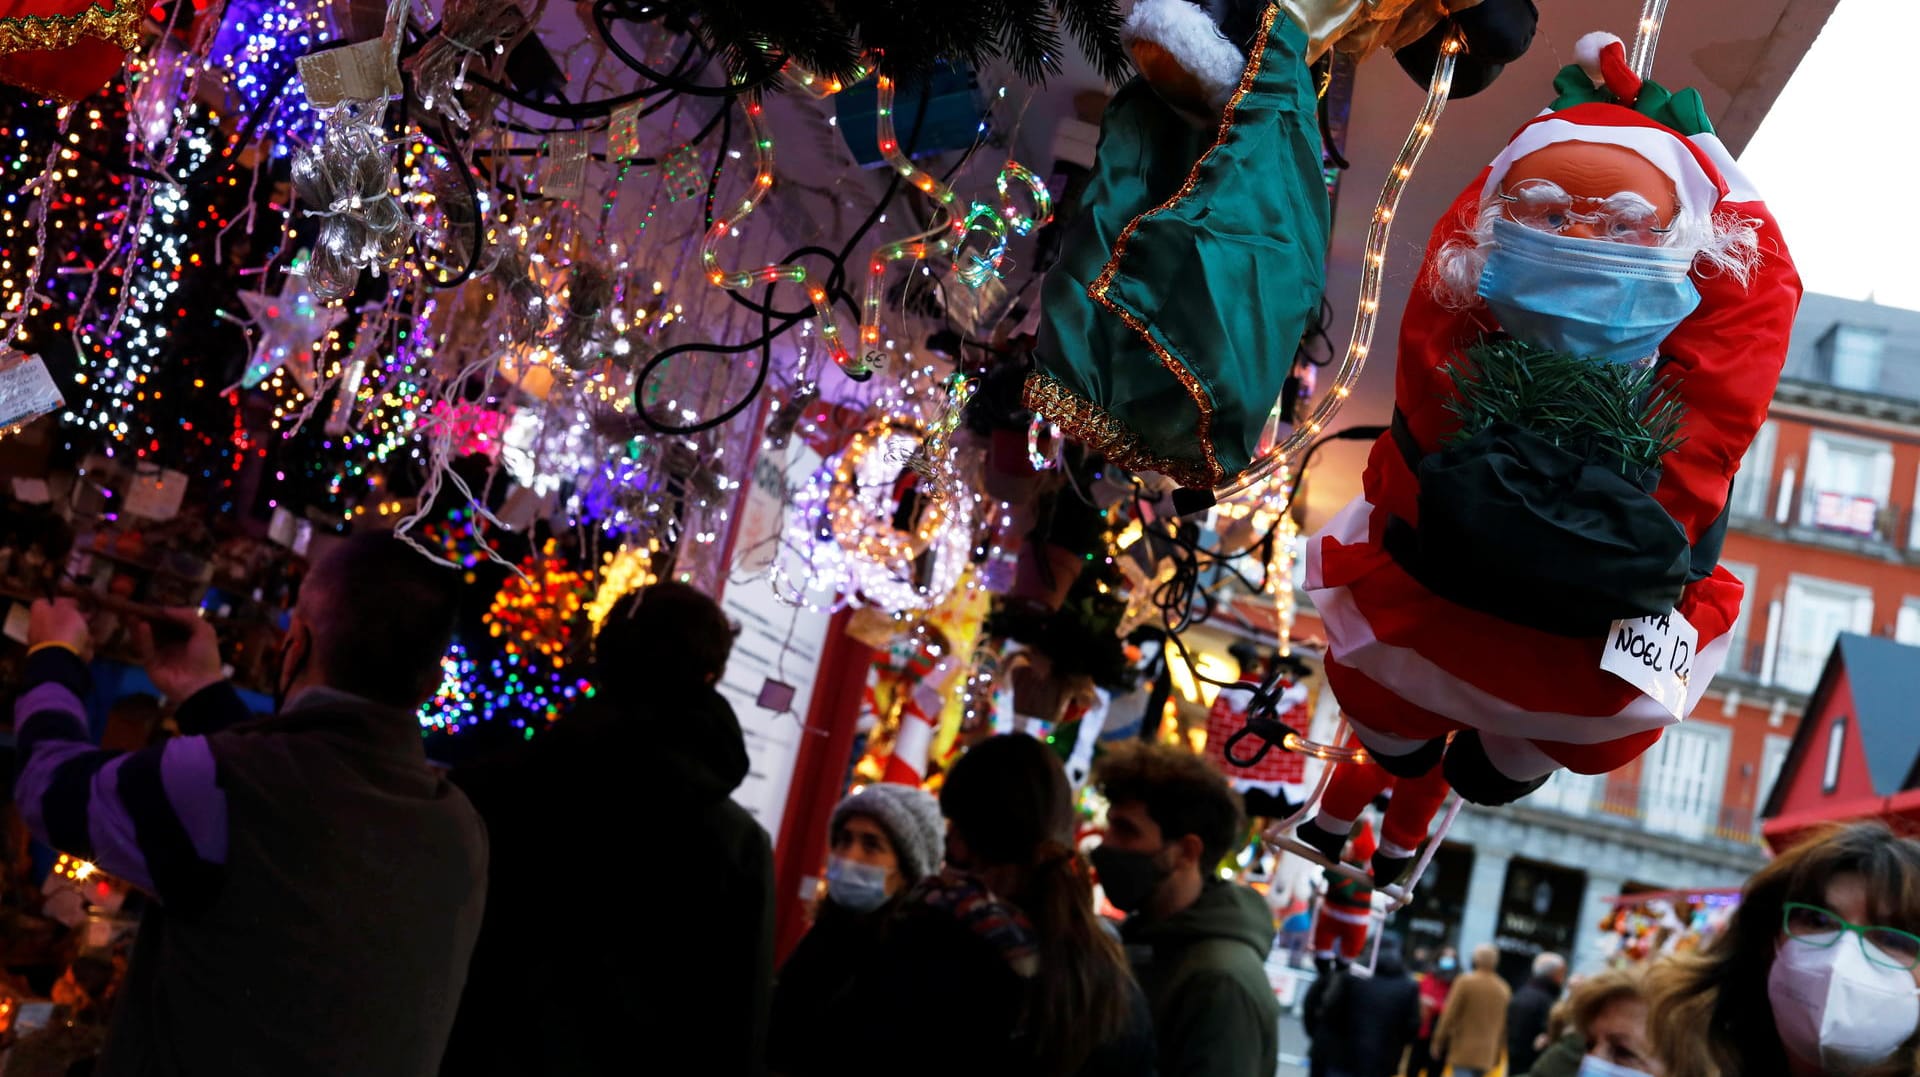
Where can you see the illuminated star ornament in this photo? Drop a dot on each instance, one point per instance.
(287, 327)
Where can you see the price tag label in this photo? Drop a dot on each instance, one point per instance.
(27, 390)
(566, 173)
(362, 72)
(623, 132)
(1655, 655)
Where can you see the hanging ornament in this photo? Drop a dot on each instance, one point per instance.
(286, 328)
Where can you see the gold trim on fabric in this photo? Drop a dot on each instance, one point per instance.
(1096, 428)
(1097, 291)
(116, 22)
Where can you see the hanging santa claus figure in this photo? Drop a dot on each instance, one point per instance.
(1530, 579)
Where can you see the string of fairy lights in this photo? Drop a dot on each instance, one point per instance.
(590, 291)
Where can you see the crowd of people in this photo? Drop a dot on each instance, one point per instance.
(1818, 973)
(327, 902)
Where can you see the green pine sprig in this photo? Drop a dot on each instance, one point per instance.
(1621, 413)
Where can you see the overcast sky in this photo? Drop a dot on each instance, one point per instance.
(1838, 158)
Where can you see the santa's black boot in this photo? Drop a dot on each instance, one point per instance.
(1472, 774)
(1387, 869)
(1324, 841)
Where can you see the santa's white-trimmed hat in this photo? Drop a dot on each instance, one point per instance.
(1601, 100)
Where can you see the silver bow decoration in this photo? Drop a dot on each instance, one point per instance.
(348, 178)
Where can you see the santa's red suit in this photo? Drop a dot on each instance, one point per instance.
(1409, 666)
(1346, 910)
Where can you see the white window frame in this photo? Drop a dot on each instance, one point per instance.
(1748, 575)
(1819, 442)
(1906, 624)
(1773, 762)
(1795, 659)
(1667, 805)
(1836, 754)
(1753, 483)
(1841, 332)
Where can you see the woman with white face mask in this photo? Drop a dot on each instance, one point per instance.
(881, 841)
(1817, 972)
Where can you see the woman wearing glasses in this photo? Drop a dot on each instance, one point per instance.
(1815, 974)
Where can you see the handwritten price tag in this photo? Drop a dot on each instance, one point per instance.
(1655, 655)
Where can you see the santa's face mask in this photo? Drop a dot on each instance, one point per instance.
(1587, 297)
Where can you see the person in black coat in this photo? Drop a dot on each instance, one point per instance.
(998, 964)
(564, 983)
(1362, 1025)
(884, 840)
(1527, 1013)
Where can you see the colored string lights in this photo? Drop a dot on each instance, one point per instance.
(855, 367)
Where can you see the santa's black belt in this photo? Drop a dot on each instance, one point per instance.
(1537, 602)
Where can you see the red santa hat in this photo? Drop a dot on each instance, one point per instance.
(1601, 100)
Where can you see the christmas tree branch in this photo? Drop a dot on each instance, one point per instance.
(1621, 413)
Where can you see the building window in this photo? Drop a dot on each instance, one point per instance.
(1754, 482)
(1847, 483)
(1836, 743)
(1816, 612)
(1853, 355)
(1773, 759)
(1684, 779)
(1739, 658)
(1906, 626)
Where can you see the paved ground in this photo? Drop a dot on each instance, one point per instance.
(1293, 1047)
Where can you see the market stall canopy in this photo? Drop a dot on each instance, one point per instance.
(1857, 752)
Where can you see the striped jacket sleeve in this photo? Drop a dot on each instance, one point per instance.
(156, 817)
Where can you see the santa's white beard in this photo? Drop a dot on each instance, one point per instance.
(1725, 243)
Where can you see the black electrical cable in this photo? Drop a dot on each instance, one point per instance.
(603, 21)
(584, 110)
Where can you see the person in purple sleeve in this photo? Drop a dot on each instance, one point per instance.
(318, 885)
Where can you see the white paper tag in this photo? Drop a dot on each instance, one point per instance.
(19, 616)
(31, 491)
(27, 390)
(156, 495)
(1655, 655)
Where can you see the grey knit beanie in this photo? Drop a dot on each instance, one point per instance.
(911, 818)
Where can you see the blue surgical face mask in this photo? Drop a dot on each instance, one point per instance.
(1595, 1066)
(855, 886)
(1586, 297)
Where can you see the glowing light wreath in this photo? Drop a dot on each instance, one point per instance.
(841, 529)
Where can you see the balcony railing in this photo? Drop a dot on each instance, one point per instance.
(1626, 804)
(1845, 521)
(1851, 515)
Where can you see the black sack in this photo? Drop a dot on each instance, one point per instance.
(1519, 528)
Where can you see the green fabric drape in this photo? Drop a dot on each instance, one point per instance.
(1170, 323)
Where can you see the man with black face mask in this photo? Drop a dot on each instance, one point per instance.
(318, 886)
(1198, 943)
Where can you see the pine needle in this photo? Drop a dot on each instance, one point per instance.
(1618, 413)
